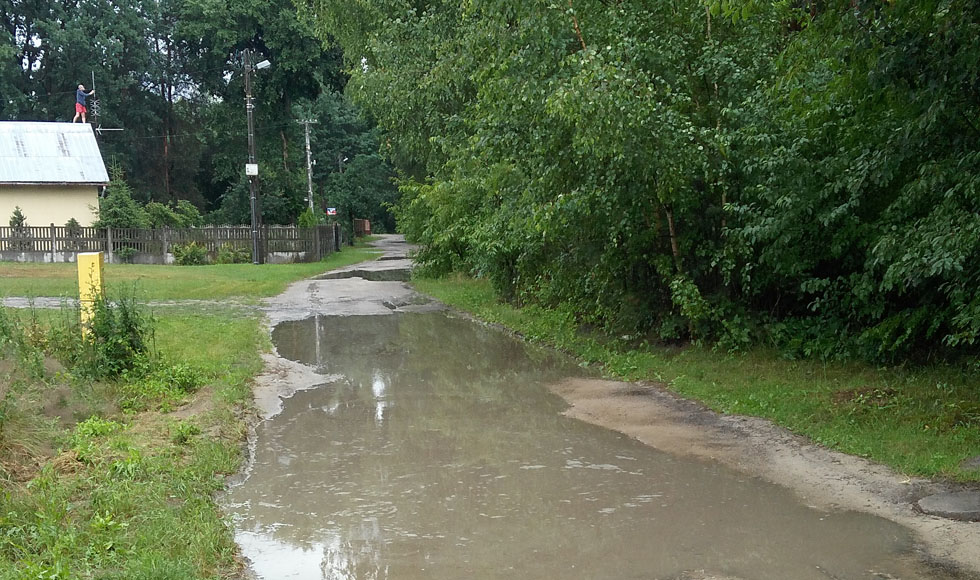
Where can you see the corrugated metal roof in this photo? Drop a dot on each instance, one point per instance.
(50, 153)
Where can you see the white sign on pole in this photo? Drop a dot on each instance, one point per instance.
(251, 169)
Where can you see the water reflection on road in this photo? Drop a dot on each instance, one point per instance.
(441, 455)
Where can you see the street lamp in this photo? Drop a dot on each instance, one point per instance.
(252, 168)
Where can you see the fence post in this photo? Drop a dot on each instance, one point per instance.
(264, 244)
(108, 244)
(165, 244)
(54, 236)
(317, 252)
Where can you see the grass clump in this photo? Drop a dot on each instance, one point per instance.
(921, 421)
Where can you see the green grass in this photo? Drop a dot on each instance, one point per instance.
(130, 493)
(212, 282)
(116, 479)
(919, 421)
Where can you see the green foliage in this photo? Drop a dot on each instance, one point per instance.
(733, 172)
(118, 339)
(121, 498)
(118, 209)
(125, 253)
(24, 340)
(73, 231)
(17, 219)
(161, 386)
(160, 215)
(230, 254)
(309, 219)
(183, 214)
(170, 74)
(190, 254)
(182, 432)
(95, 427)
(21, 236)
(187, 215)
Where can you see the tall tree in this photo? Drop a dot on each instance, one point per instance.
(804, 173)
(169, 73)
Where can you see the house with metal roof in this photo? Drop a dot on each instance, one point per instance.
(52, 171)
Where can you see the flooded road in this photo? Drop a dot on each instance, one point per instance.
(430, 447)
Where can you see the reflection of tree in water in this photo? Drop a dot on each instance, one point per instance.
(464, 366)
(358, 556)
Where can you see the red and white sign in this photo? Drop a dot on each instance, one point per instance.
(331, 211)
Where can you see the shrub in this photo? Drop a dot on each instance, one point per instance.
(229, 254)
(21, 236)
(160, 215)
(83, 439)
(181, 377)
(187, 214)
(125, 253)
(118, 209)
(190, 254)
(73, 231)
(183, 214)
(118, 341)
(309, 219)
(17, 219)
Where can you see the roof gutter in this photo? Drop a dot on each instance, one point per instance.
(91, 183)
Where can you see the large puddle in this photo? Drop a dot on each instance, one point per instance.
(433, 450)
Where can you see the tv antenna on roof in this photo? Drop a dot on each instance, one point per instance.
(96, 107)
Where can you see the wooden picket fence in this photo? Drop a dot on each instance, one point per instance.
(155, 246)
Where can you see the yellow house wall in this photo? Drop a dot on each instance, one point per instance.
(46, 205)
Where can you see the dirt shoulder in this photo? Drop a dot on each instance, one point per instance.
(823, 478)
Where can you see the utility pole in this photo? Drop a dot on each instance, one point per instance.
(309, 165)
(252, 169)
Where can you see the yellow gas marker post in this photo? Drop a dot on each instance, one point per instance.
(90, 286)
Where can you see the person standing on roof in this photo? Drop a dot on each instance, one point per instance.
(80, 109)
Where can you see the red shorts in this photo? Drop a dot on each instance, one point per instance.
(80, 108)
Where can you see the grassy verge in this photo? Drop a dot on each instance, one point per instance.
(919, 421)
(212, 282)
(114, 476)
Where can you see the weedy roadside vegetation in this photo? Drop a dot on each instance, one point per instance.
(112, 448)
(99, 478)
(920, 420)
